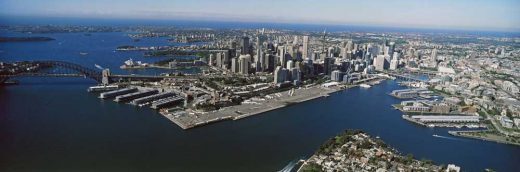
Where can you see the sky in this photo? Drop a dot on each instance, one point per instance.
(499, 15)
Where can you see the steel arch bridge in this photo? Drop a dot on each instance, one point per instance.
(38, 68)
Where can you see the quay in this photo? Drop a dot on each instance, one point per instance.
(135, 95)
(166, 102)
(115, 93)
(272, 102)
(151, 98)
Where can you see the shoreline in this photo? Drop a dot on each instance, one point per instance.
(238, 112)
(464, 134)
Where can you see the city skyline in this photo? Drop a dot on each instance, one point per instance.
(470, 15)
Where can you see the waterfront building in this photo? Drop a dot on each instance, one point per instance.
(446, 118)
(337, 75)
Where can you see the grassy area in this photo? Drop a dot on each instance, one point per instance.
(491, 135)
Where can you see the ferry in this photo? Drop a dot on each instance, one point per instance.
(364, 86)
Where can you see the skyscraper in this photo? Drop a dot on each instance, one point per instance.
(244, 45)
(327, 65)
(279, 75)
(380, 63)
(244, 63)
(219, 59)
(211, 60)
(433, 56)
(305, 47)
(234, 65)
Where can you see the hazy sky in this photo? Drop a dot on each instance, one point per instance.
(461, 14)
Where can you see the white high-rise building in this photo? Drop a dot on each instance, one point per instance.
(211, 60)
(305, 47)
(245, 63)
(219, 59)
(433, 56)
(380, 63)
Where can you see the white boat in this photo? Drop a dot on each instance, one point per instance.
(364, 86)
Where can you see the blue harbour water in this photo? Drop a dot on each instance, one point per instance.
(53, 124)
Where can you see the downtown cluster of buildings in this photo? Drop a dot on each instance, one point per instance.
(295, 58)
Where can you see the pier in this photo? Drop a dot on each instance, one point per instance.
(166, 102)
(151, 98)
(131, 96)
(115, 93)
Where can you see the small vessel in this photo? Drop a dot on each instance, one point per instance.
(364, 86)
(83, 53)
(431, 125)
(98, 66)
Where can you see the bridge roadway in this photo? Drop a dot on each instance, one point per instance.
(112, 77)
(400, 76)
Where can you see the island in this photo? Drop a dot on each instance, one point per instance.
(355, 150)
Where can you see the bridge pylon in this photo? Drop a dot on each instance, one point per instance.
(105, 80)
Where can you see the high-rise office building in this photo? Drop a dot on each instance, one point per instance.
(244, 64)
(391, 48)
(234, 65)
(433, 56)
(394, 63)
(380, 62)
(279, 75)
(305, 47)
(328, 62)
(337, 75)
(244, 45)
(269, 63)
(218, 59)
(211, 60)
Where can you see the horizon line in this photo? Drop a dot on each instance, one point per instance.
(461, 29)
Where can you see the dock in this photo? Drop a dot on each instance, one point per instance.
(115, 93)
(166, 102)
(151, 98)
(135, 95)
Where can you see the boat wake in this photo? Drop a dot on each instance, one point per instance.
(445, 137)
(289, 166)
